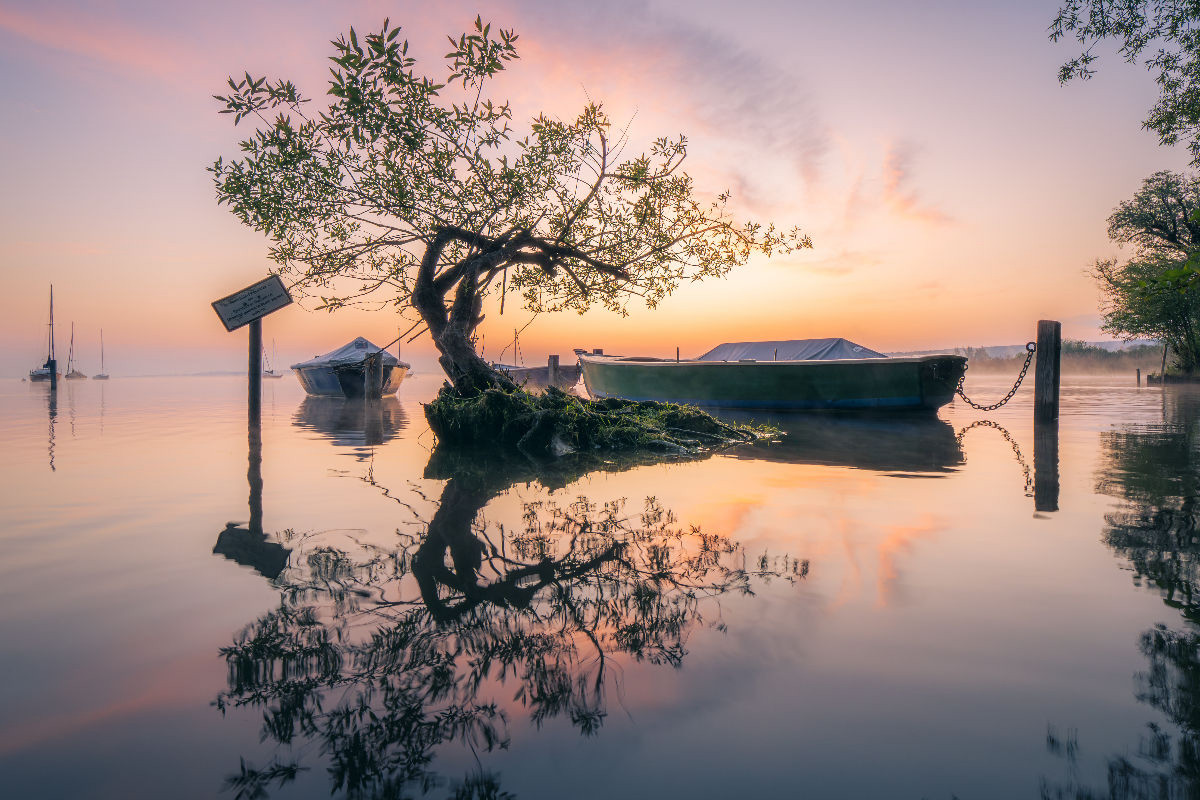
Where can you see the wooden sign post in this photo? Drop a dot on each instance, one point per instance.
(247, 307)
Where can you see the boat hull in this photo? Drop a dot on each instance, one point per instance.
(347, 380)
(890, 384)
(539, 377)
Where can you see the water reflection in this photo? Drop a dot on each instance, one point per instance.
(382, 655)
(249, 545)
(356, 423)
(52, 414)
(1154, 471)
(897, 444)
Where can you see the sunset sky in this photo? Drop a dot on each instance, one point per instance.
(954, 191)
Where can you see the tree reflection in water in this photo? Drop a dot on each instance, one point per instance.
(1155, 471)
(378, 656)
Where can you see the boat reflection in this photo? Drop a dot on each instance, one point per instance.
(1153, 471)
(382, 655)
(904, 444)
(354, 423)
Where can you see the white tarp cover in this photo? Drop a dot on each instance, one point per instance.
(350, 353)
(790, 350)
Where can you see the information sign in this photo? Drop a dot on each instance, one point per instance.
(253, 302)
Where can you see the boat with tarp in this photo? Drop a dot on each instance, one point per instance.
(344, 372)
(831, 374)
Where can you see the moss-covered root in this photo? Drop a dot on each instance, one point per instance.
(554, 423)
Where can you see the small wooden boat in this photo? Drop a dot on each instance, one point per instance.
(802, 374)
(539, 377)
(343, 372)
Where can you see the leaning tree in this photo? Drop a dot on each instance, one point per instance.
(421, 189)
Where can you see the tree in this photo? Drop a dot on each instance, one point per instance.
(421, 188)
(1154, 293)
(1169, 30)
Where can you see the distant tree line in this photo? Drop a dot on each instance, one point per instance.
(1077, 357)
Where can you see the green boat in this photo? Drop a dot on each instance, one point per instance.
(794, 375)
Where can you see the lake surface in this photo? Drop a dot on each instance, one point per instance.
(868, 608)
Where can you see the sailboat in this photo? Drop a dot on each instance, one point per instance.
(269, 369)
(47, 370)
(72, 373)
(101, 375)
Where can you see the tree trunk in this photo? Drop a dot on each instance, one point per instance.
(452, 328)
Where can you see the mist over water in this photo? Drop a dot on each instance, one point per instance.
(869, 607)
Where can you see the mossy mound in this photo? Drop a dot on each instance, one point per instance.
(554, 423)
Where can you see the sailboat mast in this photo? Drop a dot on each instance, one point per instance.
(102, 351)
(50, 335)
(71, 351)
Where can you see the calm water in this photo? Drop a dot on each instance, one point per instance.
(867, 609)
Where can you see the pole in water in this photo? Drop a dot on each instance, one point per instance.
(1045, 465)
(1046, 374)
(373, 377)
(254, 399)
(1139, 376)
(676, 353)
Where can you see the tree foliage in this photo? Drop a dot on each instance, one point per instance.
(1154, 294)
(422, 188)
(1163, 34)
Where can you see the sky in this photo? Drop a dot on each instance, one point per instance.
(954, 191)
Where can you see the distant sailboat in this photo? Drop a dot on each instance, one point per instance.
(47, 370)
(102, 375)
(269, 369)
(72, 373)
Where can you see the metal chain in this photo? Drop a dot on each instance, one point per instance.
(987, 423)
(1031, 348)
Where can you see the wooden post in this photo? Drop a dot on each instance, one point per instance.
(53, 374)
(676, 353)
(373, 377)
(1045, 465)
(1046, 373)
(254, 427)
(1139, 376)
(254, 399)
(552, 371)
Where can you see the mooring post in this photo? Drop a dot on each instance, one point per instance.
(373, 377)
(1045, 465)
(1139, 376)
(1046, 374)
(676, 353)
(552, 370)
(53, 374)
(254, 399)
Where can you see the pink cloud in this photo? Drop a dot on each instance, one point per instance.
(898, 191)
(98, 39)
